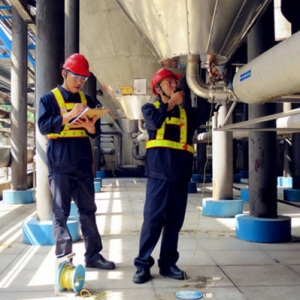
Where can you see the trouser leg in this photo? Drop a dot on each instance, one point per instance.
(156, 199)
(85, 201)
(61, 193)
(174, 218)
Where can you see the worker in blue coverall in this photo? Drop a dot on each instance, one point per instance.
(168, 166)
(70, 160)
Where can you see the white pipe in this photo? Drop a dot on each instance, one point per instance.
(288, 122)
(274, 73)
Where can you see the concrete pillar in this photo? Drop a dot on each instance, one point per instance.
(222, 203)
(49, 59)
(262, 145)
(263, 165)
(19, 102)
(222, 145)
(262, 224)
(71, 27)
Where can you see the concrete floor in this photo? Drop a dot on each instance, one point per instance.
(217, 264)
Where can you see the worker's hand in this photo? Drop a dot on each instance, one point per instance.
(73, 113)
(176, 98)
(77, 109)
(87, 123)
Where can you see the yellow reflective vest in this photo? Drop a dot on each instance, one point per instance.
(160, 140)
(64, 108)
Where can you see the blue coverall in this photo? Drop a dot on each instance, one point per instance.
(70, 165)
(168, 171)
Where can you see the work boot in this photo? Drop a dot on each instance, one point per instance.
(173, 272)
(141, 275)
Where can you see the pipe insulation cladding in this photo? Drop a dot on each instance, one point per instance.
(273, 74)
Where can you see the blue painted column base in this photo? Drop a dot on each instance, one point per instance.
(74, 210)
(201, 178)
(37, 232)
(284, 181)
(244, 193)
(98, 179)
(192, 187)
(291, 195)
(263, 230)
(18, 196)
(97, 186)
(221, 208)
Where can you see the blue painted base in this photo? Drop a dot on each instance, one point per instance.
(263, 230)
(97, 186)
(192, 187)
(98, 179)
(221, 208)
(291, 195)
(285, 181)
(18, 197)
(236, 178)
(40, 232)
(101, 174)
(245, 195)
(74, 210)
(244, 174)
(201, 178)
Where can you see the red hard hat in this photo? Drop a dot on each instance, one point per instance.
(159, 75)
(77, 64)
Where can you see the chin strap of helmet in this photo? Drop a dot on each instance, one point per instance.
(169, 97)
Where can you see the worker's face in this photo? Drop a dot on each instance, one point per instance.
(73, 82)
(169, 85)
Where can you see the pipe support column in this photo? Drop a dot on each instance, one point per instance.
(49, 58)
(71, 27)
(222, 150)
(19, 102)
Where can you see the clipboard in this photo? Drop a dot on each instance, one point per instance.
(90, 113)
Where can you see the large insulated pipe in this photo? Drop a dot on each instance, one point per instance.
(272, 74)
(201, 89)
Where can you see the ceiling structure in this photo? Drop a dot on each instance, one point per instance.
(127, 41)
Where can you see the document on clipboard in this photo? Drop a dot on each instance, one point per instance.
(90, 113)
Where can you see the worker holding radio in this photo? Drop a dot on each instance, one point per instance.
(168, 166)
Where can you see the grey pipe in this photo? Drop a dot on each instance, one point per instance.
(5, 155)
(120, 148)
(211, 92)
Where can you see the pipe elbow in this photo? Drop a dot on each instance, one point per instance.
(208, 91)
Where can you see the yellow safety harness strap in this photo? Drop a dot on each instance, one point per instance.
(169, 144)
(161, 142)
(64, 108)
(69, 134)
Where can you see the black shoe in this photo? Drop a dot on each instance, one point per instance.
(173, 272)
(101, 263)
(142, 275)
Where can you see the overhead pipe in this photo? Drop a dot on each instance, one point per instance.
(214, 93)
(257, 81)
(295, 98)
(288, 122)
